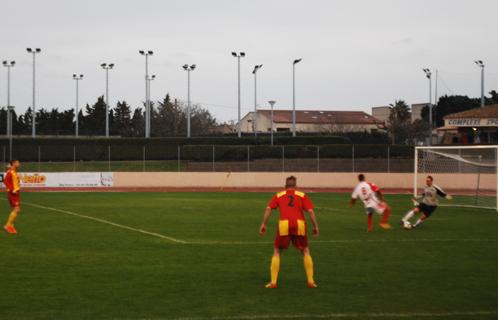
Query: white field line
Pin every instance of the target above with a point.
(367, 315)
(154, 234)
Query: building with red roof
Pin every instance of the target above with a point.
(312, 121)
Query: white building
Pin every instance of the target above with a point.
(382, 113)
(312, 121)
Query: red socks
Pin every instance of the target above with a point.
(386, 215)
(370, 222)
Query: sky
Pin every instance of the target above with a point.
(356, 54)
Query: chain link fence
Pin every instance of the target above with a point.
(214, 158)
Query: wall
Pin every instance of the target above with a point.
(305, 180)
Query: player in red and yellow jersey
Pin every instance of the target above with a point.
(12, 184)
(291, 228)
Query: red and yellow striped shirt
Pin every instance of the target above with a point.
(11, 181)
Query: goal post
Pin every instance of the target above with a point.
(468, 173)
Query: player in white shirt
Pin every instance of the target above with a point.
(373, 200)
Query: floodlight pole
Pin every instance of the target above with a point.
(9, 65)
(77, 78)
(436, 97)
(271, 102)
(149, 79)
(480, 64)
(33, 115)
(147, 102)
(428, 75)
(10, 109)
(188, 103)
(255, 115)
(107, 67)
(296, 61)
(238, 56)
(188, 68)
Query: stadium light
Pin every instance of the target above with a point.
(271, 102)
(296, 61)
(33, 114)
(107, 67)
(10, 110)
(428, 75)
(480, 64)
(149, 79)
(147, 53)
(238, 56)
(255, 115)
(188, 68)
(9, 65)
(77, 78)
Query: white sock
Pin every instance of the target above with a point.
(419, 221)
(408, 216)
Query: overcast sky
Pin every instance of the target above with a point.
(356, 54)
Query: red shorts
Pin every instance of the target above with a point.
(299, 242)
(14, 199)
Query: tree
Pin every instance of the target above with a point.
(419, 130)
(494, 97)
(169, 120)
(122, 121)
(399, 122)
(201, 121)
(447, 105)
(137, 123)
(93, 123)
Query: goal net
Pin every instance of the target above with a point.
(467, 173)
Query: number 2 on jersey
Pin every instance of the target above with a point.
(291, 201)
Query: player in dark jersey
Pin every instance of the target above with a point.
(427, 203)
(291, 228)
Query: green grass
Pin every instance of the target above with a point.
(61, 266)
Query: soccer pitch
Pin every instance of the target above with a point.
(199, 256)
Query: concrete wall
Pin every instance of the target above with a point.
(305, 180)
(382, 113)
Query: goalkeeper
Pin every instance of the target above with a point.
(428, 204)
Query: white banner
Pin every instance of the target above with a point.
(66, 179)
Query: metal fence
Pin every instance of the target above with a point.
(214, 158)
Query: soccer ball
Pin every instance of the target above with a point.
(407, 225)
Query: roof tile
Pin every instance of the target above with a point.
(322, 117)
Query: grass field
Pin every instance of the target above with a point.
(199, 256)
